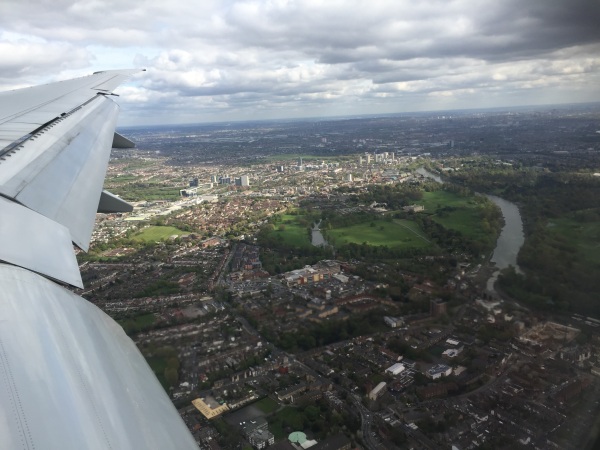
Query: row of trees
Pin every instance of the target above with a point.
(558, 274)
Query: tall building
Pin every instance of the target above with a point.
(245, 180)
(437, 307)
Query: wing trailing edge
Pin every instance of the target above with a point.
(69, 376)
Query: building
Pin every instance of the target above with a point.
(393, 322)
(452, 352)
(245, 180)
(378, 391)
(438, 371)
(291, 392)
(437, 307)
(323, 270)
(258, 424)
(257, 432)
(208, 411)
(396, 369)
(328, 312)
(414, 208)
(261, 439)
(191, 192)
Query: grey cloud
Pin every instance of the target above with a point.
(215, 54)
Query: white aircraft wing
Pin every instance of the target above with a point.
(69, 376)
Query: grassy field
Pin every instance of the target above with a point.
(130, 192)
(140, 322)
(294, 233)
(158, 365)
(463, 215)
(584, 236)
(288, 415)
(156, 233)
(267, 405)
(381, 232)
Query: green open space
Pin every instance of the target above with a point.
(162, 361)
(135, 163)
(267, 405)
(583, 236)
(379, 232)
(287, 417)
(138, 323)
(293, 230)
(158, 364)
(157, 233)
(455, 212)
(153, 191)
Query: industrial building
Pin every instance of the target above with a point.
(396, 369)
(378, 391)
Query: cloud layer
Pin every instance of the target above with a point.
(233, 59)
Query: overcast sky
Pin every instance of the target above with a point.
(219, 60)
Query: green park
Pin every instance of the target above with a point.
(380, 232)
(157, 233)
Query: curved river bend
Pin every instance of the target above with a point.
(511, 237)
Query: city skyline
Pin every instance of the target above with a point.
(246, 60)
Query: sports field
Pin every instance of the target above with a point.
(156, 233)
(399, 233)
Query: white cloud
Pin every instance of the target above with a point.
(234, 59)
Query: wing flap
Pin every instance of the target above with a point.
(24, 242)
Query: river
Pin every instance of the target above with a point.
(427, 174)
(509, 242)
(511, 236)
(317, 237)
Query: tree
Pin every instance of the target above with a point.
(171, 376)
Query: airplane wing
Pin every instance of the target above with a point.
(69, 376)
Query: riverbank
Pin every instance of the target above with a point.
(508, 244)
